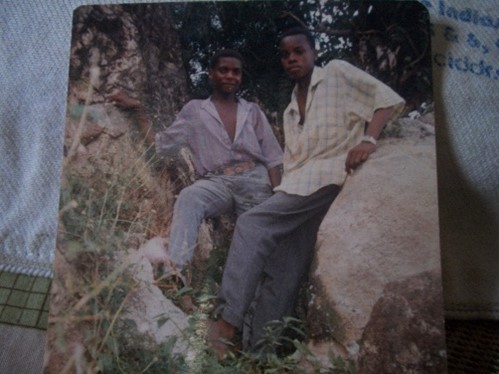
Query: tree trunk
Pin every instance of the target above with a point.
(136, 49)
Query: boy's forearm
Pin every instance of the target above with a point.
(380, 117)
(360, 153)
(145, 125)
(122, 100)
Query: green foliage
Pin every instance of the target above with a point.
(138, 360)
(279, 337)
(389, 40)
(105, 197)
(392, 130)
(102, 207)
(100, 288)
(340, 366)
(251, 28)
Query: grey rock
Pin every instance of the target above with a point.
(382, 228)
(154, 314)
(404, 333)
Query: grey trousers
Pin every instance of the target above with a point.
(209, 197)
(273, 244)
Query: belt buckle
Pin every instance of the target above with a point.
(237, 168)
(228, 170)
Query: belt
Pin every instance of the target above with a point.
(236, 168)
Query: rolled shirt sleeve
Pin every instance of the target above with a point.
(270, 147)
(365, 93)
(341, 99)
(169, 141)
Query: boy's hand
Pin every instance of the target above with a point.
(357, 155)
(122, 100)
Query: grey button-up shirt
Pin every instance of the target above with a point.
(199, 127)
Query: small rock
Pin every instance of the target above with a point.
(154, 314)
(154, 250)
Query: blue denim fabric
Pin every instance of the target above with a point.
(465, 51)
(211, 197)
(35, 42)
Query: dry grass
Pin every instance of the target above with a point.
(113, 198)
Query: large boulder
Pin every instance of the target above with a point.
(408, 313)
(382, 229)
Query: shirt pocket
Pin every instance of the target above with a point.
(317, 136)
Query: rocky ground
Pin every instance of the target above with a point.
(377, 258)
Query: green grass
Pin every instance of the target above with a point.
(112, 203)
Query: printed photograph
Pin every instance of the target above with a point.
(248, 187)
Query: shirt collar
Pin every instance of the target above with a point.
(208, 105)
(318, 75)
(243, 109)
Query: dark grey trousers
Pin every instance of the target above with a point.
(273, 244)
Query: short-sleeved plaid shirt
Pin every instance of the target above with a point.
(340, 101)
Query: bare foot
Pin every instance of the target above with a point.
(220, 335)
(186, 304)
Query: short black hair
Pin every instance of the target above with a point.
(298, 30)
(224, 53)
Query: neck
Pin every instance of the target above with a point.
(304, 83)
(220, 97)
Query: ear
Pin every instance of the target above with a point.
(210, 74)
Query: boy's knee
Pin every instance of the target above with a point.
(188, 197)
(244, 218)
(250, 221)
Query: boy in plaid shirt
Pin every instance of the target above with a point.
(325, 140)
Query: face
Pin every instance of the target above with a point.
(297, 56)
(226, 76)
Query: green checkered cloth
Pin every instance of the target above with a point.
(24, 300)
